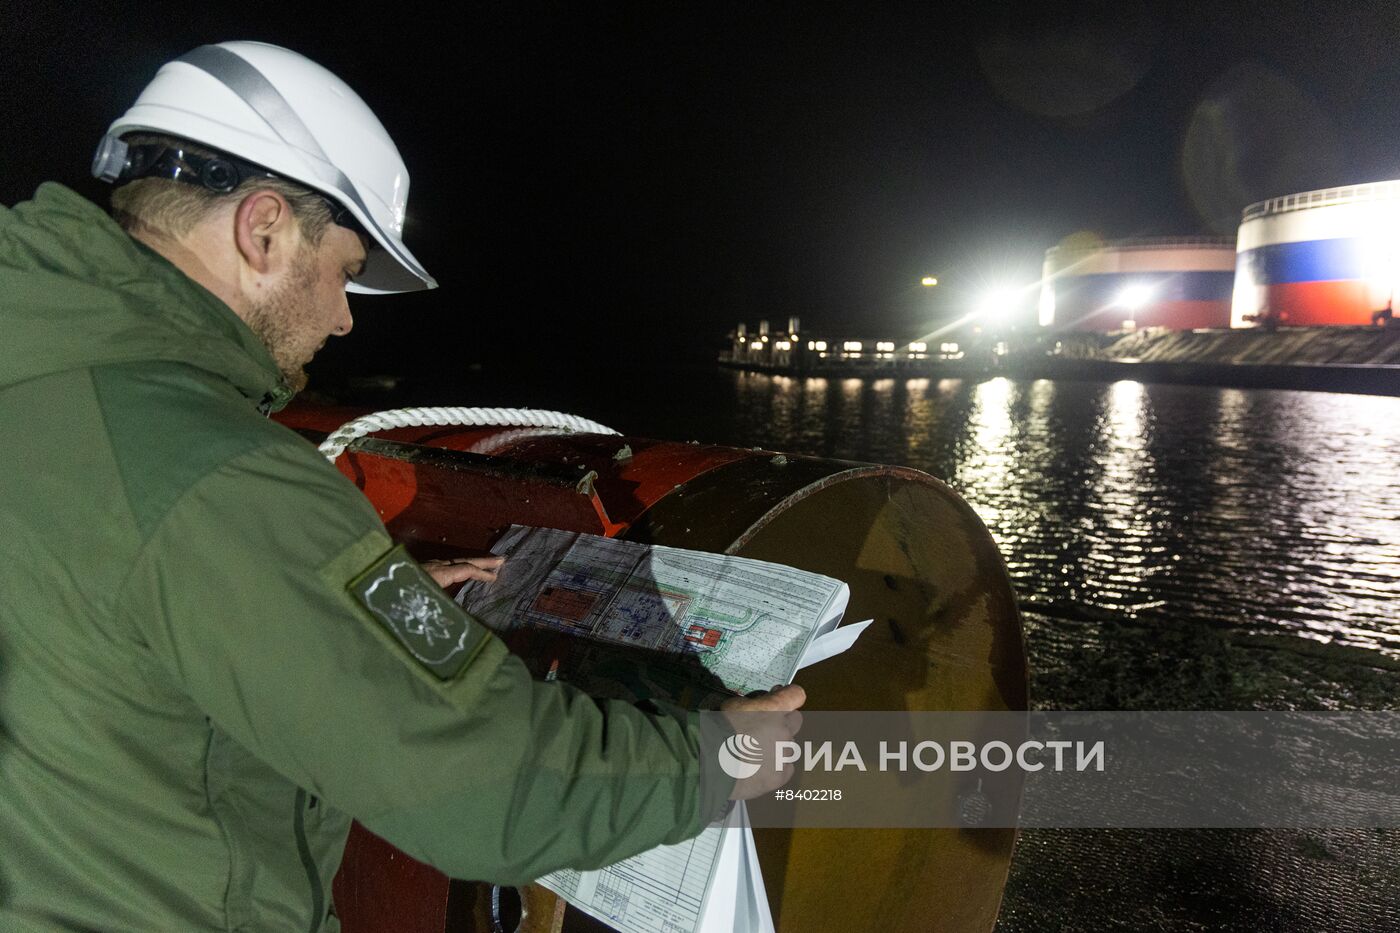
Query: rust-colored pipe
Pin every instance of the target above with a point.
(947, 636)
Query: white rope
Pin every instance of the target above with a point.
(334, 445)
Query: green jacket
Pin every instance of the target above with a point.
(197, 689)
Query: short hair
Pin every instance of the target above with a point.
(174, 208)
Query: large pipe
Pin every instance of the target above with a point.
(917, 559)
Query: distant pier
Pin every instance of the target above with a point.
(1336, 359)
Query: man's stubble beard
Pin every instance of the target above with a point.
(274, 320)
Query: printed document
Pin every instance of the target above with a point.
(637, 622)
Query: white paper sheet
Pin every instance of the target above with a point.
(711, 624)
(749, 624)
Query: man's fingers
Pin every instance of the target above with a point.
(764, 782)
(490, 561)
(480, 563)
(794, 695)
(793, 722)
(781, 700)
(461, 569)
(447, 576)
(771, 718)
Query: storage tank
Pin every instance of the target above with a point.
(1320, 257)
(1176, 282)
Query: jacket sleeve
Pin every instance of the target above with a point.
(251, 593)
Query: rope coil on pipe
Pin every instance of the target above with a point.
(334, 444)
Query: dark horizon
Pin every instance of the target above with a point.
(630, 184)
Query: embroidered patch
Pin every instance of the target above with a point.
(415, 610)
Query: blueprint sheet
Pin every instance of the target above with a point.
(634, 621)
(709, 884)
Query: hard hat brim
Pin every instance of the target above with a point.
(385, 274)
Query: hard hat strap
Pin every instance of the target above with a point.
(220, 173)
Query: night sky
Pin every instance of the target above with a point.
(629, 181)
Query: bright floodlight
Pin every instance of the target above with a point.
(998, 303)
(1134, 297)
(928, 280)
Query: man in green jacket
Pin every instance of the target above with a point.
(197, 693)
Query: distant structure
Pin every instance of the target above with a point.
(793, 351)
(1176, 282)
(1320, 257)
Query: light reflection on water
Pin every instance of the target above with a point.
(1257, 510)
(1172, 547)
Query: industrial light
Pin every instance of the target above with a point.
(885, 346)
(852, 346)
(928, 281)
(1379, 252)
(1134, 297)
(1047, 304)
(782, 345)
(918, 346)
(998, 303)
(1247, 299)
(821, 346)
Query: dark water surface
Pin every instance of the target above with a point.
(1172, 547)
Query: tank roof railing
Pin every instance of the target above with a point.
(1323, 197)
(1147, 242)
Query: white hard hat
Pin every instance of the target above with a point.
(269, 106)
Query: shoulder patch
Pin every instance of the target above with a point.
(405, 600)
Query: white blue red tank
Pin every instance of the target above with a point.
(1177, 282)
(1321, 257)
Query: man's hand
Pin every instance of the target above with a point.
(460, 569)
(770, 718)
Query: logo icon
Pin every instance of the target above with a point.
(740, 756)
(418, 614)
(413, 614)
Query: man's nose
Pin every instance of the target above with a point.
(343, 320)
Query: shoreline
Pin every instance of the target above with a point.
(1344, 378)
(1359, 360)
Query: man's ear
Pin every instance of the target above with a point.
(264, 230)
